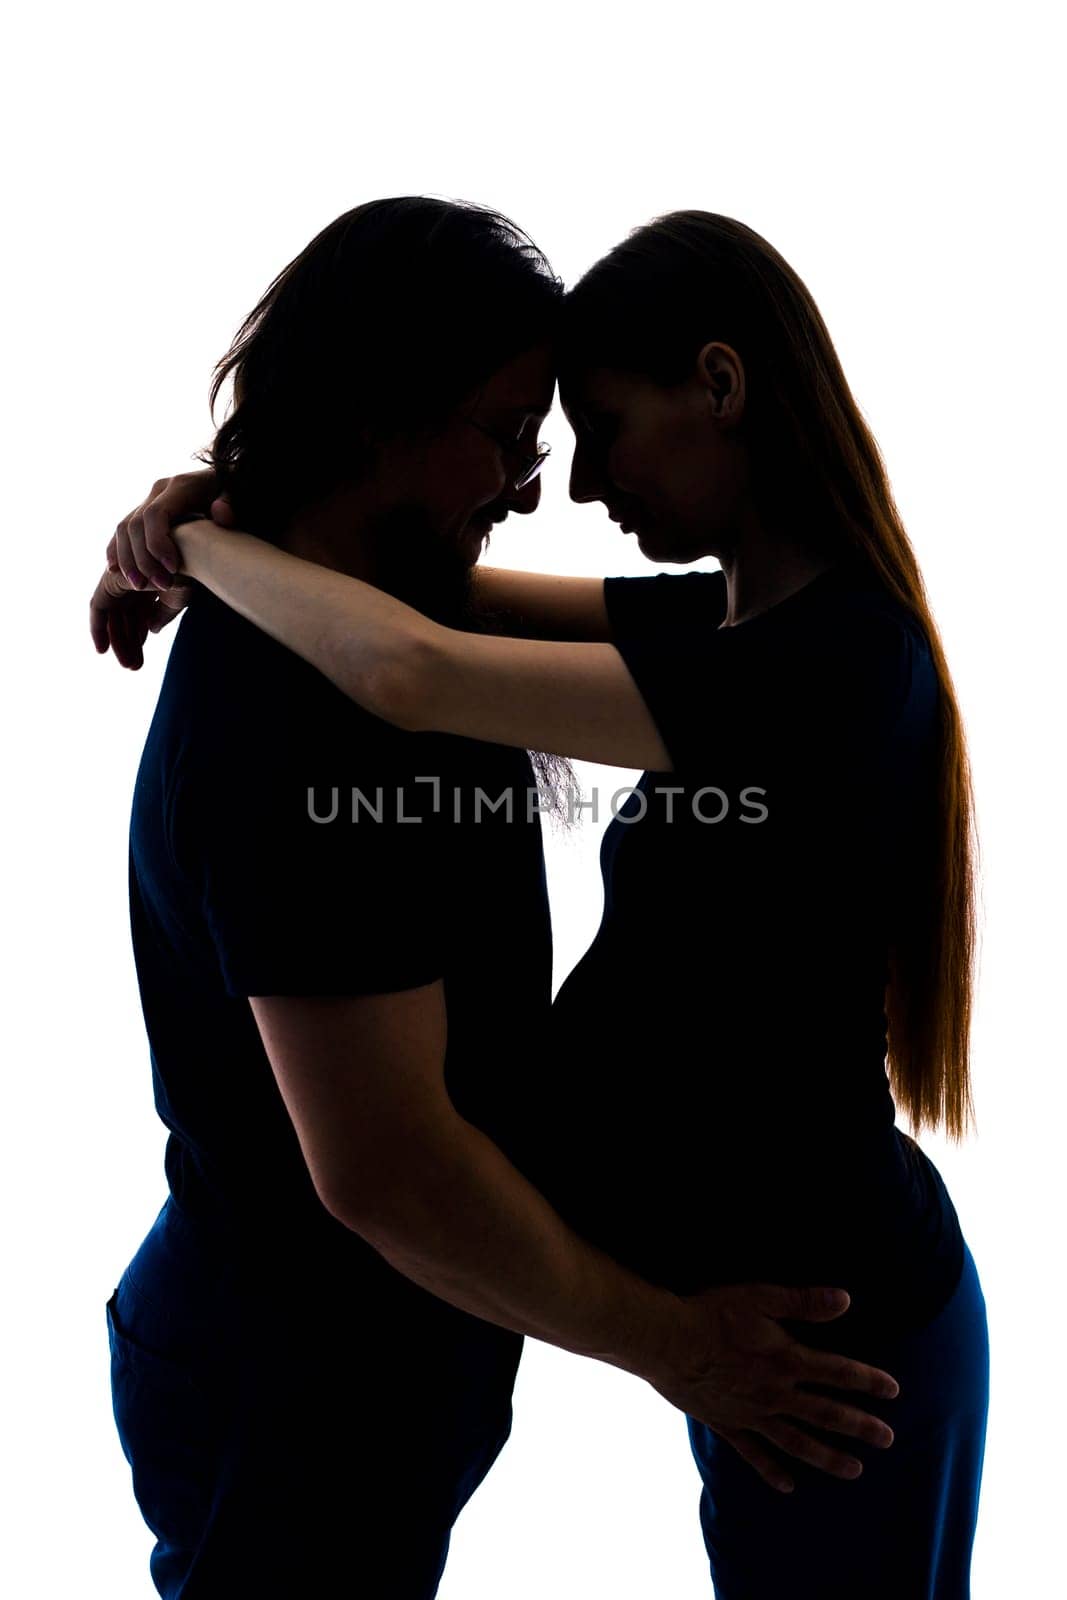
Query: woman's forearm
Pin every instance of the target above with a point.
(359, 636)
(543, 605)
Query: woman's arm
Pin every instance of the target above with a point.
(567, 699)
(544, 605)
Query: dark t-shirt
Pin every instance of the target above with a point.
(715, 1106)
(242, 883)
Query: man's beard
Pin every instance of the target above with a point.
(426, 569)
(429, 571)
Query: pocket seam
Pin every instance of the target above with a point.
(140, 1357)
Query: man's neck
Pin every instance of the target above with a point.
(350, 555)
(395, 549)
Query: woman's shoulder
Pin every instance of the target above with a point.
(664, 601)
(876, 610)
(845, 601)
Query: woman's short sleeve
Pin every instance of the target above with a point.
(822, 677)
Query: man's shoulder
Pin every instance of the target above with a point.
(232, 690)
(234, 699)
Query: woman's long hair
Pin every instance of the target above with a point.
(647, 308)
(393, 316)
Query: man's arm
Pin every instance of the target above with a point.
(363, 1081)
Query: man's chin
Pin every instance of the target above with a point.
(427, 569)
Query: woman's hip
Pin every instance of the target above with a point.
(906, 1525)
(943, 1372)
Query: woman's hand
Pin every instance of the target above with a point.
(121, 617)
(740, 1373)
(141, 545)
(124, 610)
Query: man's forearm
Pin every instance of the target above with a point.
(465, 1224)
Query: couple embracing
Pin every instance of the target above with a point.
(391, 1153)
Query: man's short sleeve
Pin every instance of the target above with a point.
(311, 878)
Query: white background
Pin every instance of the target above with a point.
(163, 163)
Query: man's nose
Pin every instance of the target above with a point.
(525, 500)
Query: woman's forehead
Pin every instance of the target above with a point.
(583, 386)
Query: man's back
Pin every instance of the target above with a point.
(274, 850)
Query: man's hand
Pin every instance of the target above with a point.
(124, 610)
(749, 1380)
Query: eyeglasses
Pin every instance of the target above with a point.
(531, 464)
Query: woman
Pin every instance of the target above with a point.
(722, 1045)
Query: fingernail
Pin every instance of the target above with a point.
(135, 578)
(170, 563)
(160, 583)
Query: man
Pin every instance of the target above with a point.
(345, 968)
